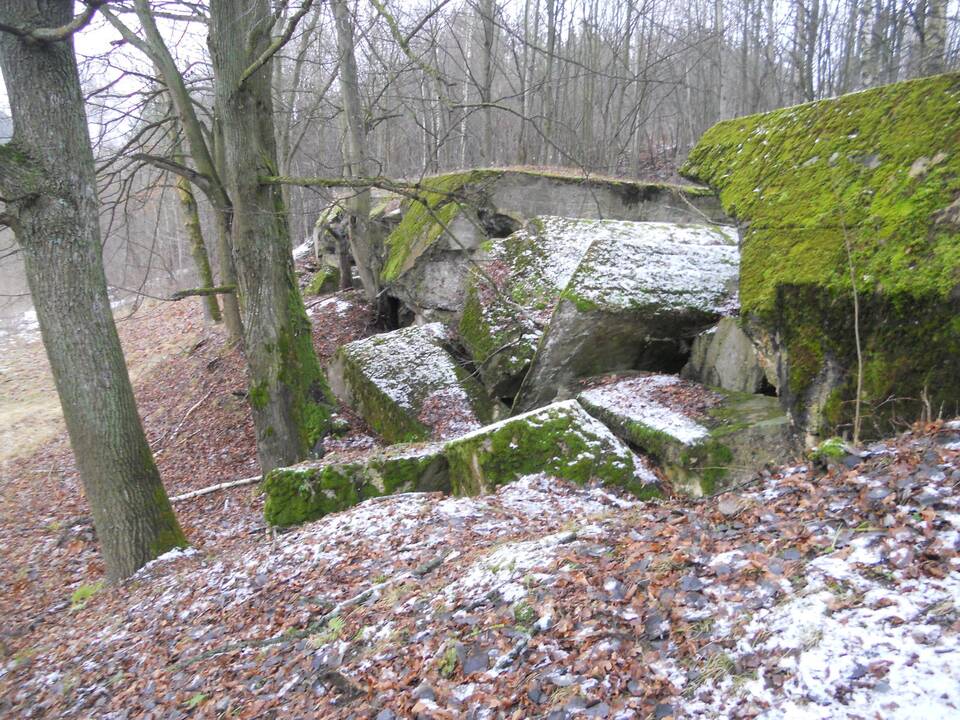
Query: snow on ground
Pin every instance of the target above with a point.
(20, 329)
(303, 249)
(332, 303)
(812, 596)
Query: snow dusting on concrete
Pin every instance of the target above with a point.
(664, 265)
(631, 399)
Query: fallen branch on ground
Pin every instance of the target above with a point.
(172, 435)
(203, 292)
(215, 488)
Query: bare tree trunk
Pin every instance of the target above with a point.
(365, 255)
(288, 394)
(190, 217)
(47, 180)
(526, 78)
(546, 92)
(223, 214)
(867, 46)
(488, 29)
(153, 46)
(935, 38)
(718, 39)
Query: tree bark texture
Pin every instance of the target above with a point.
(190, 216)
(365, 255)
(47, 180)
(288, 392)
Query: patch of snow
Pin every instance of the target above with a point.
(500, 571)
(173, 554)
(334, 303)
(630, 399)
(302, 250)
(659, 265)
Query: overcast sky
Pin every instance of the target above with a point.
(104, 59)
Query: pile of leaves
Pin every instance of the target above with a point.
(816, 593)
(190, 386)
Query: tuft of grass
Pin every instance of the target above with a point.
(524, 615)
(717, 666)
(332, 632)
(196, 700)
(448, 663)
(81, 596)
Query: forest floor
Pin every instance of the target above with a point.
(815, 593)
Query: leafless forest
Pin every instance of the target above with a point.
(620, 89)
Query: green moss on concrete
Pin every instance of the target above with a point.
(446, 196)
(742, 433)
(476, 332)
(498, 341)
(559, 440)
(325, 280)
(309, 491)
(404, 383)
(704, 466)
(296, 495)
(439, 198)
(877, 170)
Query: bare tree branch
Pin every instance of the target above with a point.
(277, 42)
(198, 179)
(59, 34)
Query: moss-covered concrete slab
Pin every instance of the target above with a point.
(560, 440)
(640, 294)
(408, 387)
(704, 439)
(427, 256)
(325, 280)
(512, 299)
(724, 356)
(311, 490)
(859, 189)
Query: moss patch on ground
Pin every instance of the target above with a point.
(877, 172)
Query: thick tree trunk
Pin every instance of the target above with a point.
(47, 178)
(288, 393)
